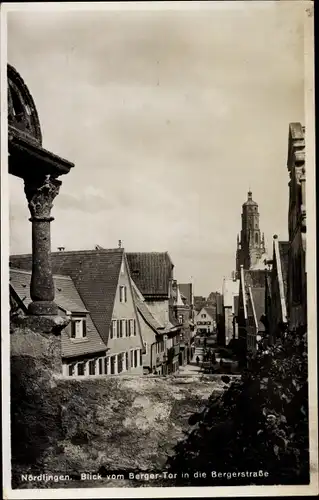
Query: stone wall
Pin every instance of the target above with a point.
(87, 424)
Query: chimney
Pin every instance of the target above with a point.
(61, 249)
(120, 243)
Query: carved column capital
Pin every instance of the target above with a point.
(40, 193)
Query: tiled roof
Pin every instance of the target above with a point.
(144, 310)
(68, 299)
(95, 274)
(151, 271)
(219, 304)
(254, 278)
(186, 290)
(283, 252)
(211, 311)
(236, 304)
(258, 296)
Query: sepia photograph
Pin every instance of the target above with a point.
(158, 264)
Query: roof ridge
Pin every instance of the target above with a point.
(100, 250)
(23, 271)
(87, 251)
(151, 252)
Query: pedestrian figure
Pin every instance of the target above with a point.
(197, 360)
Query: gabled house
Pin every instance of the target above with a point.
(276, 290)
(230, 291)
(199, 303)
(251, 311)
(297, 229)
(81, 344)
(152, 272)
(154, 337)
(183, 315)
(102, 280)
(205, 320)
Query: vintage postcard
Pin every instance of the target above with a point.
(159, 329)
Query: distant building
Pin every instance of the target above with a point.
(297, 273)
(154, 337)
(251, 310)
(152, 272)
(185, 316)
(230, 291)
(251, 251)
(205, 321)
(104, 336)
(276, 290)
(199, 302)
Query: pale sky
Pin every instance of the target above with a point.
(169, 116)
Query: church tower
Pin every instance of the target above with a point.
(251, 243)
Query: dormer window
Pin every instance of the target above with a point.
(78, 328)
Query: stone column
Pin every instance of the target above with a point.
(40, 193)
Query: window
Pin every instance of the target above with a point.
(123, 321)
(141, 357)
(132, 359)
(123, 294)
(126, 361)
(134, 327)
(78, 328)
(107, 365)
(80, 368)
(118, 327)
(256, 238)
(71, 370)
(146, 347)
(92, 367)
(203, 315)
(180, 319)
(113, 329)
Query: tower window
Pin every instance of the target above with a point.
(256, 238)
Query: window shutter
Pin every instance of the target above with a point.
(84, 327)
(135, 358)
(128, 328)
(126, 360)
(73, 329)
(124, 327)
(141, 357)
(132, 359)
(125, 294)
(101, 366)
(119, 363)
(118, 328)
(134, 327)
(111, 330)
(121, 328)
(107, 365)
